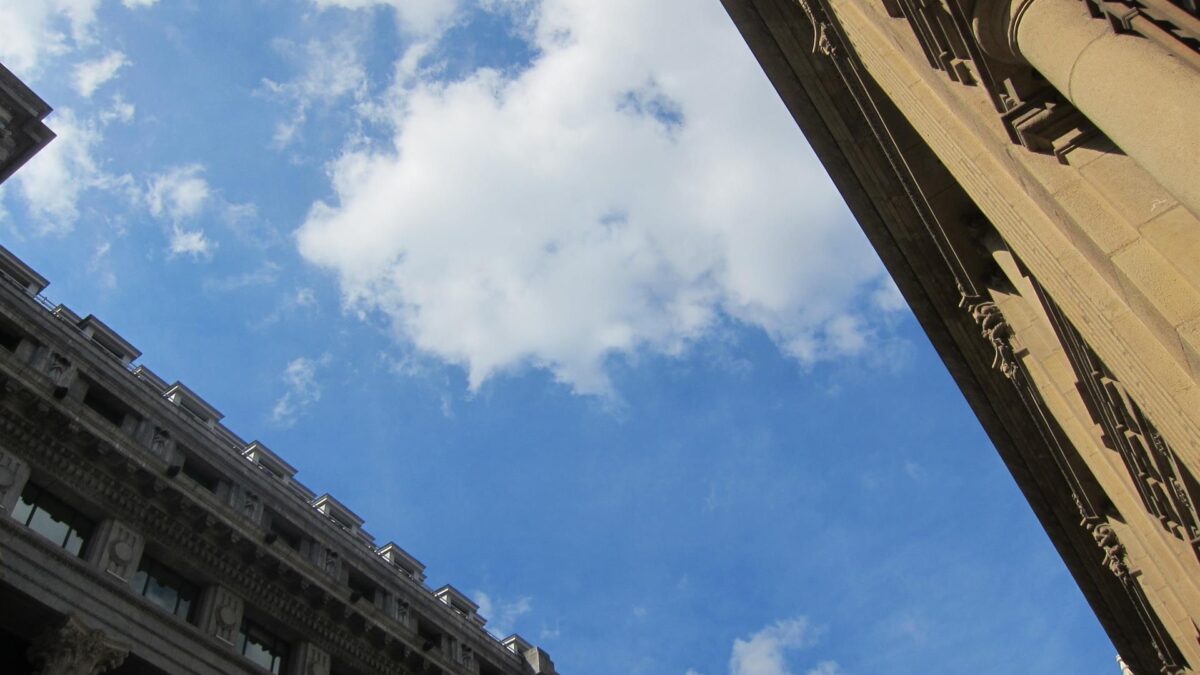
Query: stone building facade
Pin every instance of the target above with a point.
(1029, 173)
(22, 131)
(139, 535)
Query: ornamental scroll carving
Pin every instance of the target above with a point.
(120, 550)
(13, 474)
(58, 367)
(247, 503)
(223, 614)
(995, 330)
(72, 648)
(160, 442)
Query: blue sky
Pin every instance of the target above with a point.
(555, 296)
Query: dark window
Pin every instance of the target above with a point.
(362, 586)
(108, 406)
(47, 515)
(287, 533)
(202, 475)
(10, 336)
(262, 648)
(164, 588)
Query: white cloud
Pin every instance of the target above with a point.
(764, 653)
(53, 181)
(414, 16)
(264, 275)
(502, 616)
(31, 31)
(621, 194)
(120, 111)
(303, 390)
(178, 194)
(138, 3)
(331, 70)
(100, 265)
(190, 242)
(90, 75)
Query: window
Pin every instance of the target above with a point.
(284, 530)
(45, 514)
(164, 588)
(200, 474)
(10, 336)
(106, 404)
(262, 648)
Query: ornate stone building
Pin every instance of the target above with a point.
(1029, 172)
(139, 535)
(22, 132)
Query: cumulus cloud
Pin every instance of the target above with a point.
(180, 193)
(54, 179)
(91, 75)
(194, 243)
(502, 616)
(625, 192)
(303, 390)
(765, 652)
(138, 3)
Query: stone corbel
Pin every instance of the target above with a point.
(221, 614)
(14, 472)
(117, 549)
(71, 648)
(310, 660)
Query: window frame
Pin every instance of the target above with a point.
(185, 590)
(78, 525)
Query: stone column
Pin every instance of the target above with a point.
(1136, 92)
(72, 648)
(309, 659)
(116, 549)
(13, 474)
(221, 614)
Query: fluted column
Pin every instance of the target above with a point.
(1137, 93)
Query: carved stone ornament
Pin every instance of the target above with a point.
(58, 368)
(224, 615)
(71, 648)
(120, 550)
(13, 474)
(995, 329)
(160, 443)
